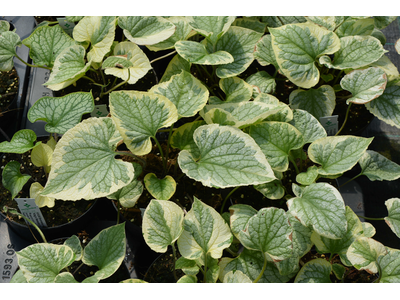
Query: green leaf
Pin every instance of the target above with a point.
(106, 251)
(69, 66)
(236, 277)
(393, 218)
(355, 27)
(176, 66)
(205, 233)
(46, 43)
(18, 277)
(75, 244)
(355, 52)
(228, 157)
(161, 189)
(185, 91)
(8, 42)
(335, 246)
(264, 82)
(240, 216)
(319, 102)
(310, 128)
(363, 254)
(35, 192)
(41, 263)
(268, 231)
(41, 155)
(182, 32)
(187, 279)
(129, 194)
(212, 27)
(390, 266)
(65, 277)
(337, 154)
(100, 32)
(277, 21)
(4, 26)
(339, 271)
(316, 271)
(377, 167)
(301, 237)
(146, 30)
(188, 266)
(298, 46)
(272, 190)
(12, 179)
(328, 22)
(182, 138)
(22, 141)
(387, 107)
(276, 140)
(131, 58)
(264, 53)
(85, 167)
(308, 177)
(364, 85)
(139, 115)
(250, 23)
(240, 43)
(236, 89)
(322, 207)
(197, 53)
(61, 113)
(386, 65)
(133, 280)
(162, 224)
(383, 21)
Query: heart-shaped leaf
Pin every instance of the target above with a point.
(328, 22)
(4, 26)
(69, 66)
(377, 167)
(139, 115)
(308, 177)
(188, 266)
(363, 254)
(9, 40)
(310, 128)
(272, 190)
(61, 113)
(355, 27)
(262, 82)
(85, 167)
(250, 23)
(182, 32)
(337, 154)
(240, 43)
(298, 46)
(264, 53)
(386, 65)
(161, 189)
(75, 244)
(46, 43)
(276, 140)
(355, 52)
(41, 156)
(146, 30)
(185, 91)
(321, 206)
(319, 102)
(236, 89)
(197, 53)
(212, 27)
(236, 277)
(228, 157)
(100, 32)
(383, 21)
(35, 191)
(393, 218)
(301, 237)
(12, 179)
(390, 266)
(317, 271)
(205, 233)
(162, 224)
(387, 107)
(106, 251)
(335, 246)
(129, 194)
(22, 141)
(240, 215)
(268, 231)
(176, 66)
(277, 21)
(131, 58)
(364, 85)
(41, 263)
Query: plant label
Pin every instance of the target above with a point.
(100, 111)
(330, 124)
(67, 26)
(29, 209)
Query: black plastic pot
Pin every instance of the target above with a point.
(12, 120)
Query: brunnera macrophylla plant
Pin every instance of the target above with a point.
(235, 133)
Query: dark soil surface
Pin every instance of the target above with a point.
(9, 83)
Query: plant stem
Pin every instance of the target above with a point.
(118, 213)
(162, 154)
(226, 198)
(337, 77)
(115, 87)
(164, 56)
(371, 219)
(171, 129)
(90, 79)
(13, 211)
(350, 180)
(294, 164)
(76, 270)
(263, 269)
(345, 119)
(32, 66)
(132, 155)
(205, 268)
(174, 254)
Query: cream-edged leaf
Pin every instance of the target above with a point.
(377, 167)
(212, 27)
(390, 266)
(310, 128)
(9, 40)
(316, 271)
(393, 218)
(161, 189)
(41, 201)
(197, 53)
